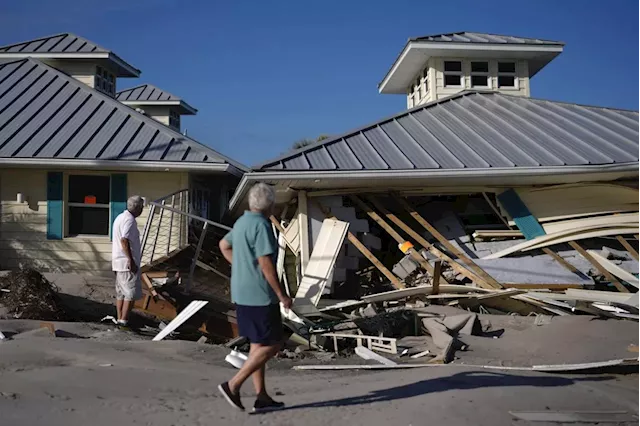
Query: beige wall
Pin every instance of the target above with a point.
(437, 89)
(23, 226)
(81, 71)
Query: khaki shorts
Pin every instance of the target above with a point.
(128, 286)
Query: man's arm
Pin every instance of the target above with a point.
(226, 249)
(269, 271)
(126, 247)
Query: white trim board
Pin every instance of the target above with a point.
(186, 313)
(614, 269)
(321, 264)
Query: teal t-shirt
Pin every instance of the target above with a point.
(251, 238)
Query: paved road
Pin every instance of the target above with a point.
(86, 382)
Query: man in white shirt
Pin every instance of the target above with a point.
(126, 254)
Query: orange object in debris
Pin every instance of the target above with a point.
(405, 247)
(89, 199)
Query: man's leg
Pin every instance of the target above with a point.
(127, 306)
(119, 303)
(258, 357)
(259, 382)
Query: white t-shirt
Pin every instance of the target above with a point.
(125, 226)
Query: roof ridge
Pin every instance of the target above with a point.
(179, 137)
(64, 34)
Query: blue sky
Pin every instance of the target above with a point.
(264, 74)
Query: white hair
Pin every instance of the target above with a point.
(134, 203)
(261, 197)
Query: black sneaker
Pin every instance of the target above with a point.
(265, 404)
(233, 400)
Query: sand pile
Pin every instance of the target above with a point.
(30, 296)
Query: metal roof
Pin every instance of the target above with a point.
(471, 37)
(47, 115)
(149, 94)
(477, 130)
(66, 45)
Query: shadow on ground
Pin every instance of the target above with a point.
(459, 381)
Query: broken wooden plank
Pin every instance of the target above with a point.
(498, 233)
(413, 234)
(404, 245)
(368, 354)
(453, 249)
(561, 261)
(281, 231)
(367, 253)
(145, 279)
(613, 280)
(614, 269)
(627, 246)
(581, 417)
(423, 289)
(434, 250)
(536, 286)
(186, 313)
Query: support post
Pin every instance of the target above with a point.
(192, 269)
(303, 223)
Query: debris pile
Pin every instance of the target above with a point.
(27, 294)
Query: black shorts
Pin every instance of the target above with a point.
(260, 324)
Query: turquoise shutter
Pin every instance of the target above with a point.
(54, 206)
(525, 221)
(118, 196)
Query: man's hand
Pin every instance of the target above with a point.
(286, 301)
(133, 267)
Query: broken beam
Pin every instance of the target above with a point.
(561, 261)
(613, 280)
(392, 232)
(453, 249)
(395, 219)
(627, 246)
(365, 251)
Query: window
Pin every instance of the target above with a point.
(105, 81)
(88, 206)
(425, 80)
(419, 91)
(480, 74)
(174, 119)
(507, 75)
(452, 73)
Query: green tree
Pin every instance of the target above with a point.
(304, 142)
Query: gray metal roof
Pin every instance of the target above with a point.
(62, 46)
(471, 37)
(150, 94)
(45, 114)
(58, 43)
(477, 130)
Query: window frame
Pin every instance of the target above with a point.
(514, 74)
(105, 81)
(459, 74)
(486, 74)
(68, 204)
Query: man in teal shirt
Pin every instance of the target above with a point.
(251, 249)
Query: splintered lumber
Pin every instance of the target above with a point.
(499, 233)
(424, 289)
(614, 269)
(186, 313)
(366, 252)
(486, 278)
(433, 249)
(395, 235)
(417, 237)
(282, 232)
(613, 280)
(627, 246)
(368, 354)
(382, 344)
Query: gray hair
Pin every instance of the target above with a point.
(134, 203)
(261, 197)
